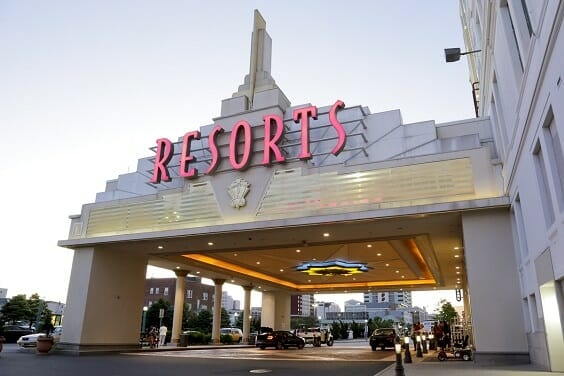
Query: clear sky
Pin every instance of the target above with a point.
(86, 87)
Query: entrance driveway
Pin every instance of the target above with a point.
(345, 358)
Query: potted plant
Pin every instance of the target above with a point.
(45, 342)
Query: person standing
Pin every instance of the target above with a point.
(162, 334)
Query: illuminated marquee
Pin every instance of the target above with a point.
(332, 268)
(273, 132)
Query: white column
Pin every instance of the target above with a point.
(104, 301)
(217, 310)
(493, 287)
(178, 305)
(247, 314)
(276, 310)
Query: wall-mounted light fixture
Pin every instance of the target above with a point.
(453, 54)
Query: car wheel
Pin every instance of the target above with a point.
(466, 357)
(300, 345)
(330, 342)
(442, 357)
(279, 345)
(263, 347)
(373, 348)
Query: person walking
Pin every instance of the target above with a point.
(162, 334)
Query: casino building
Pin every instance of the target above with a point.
(314, 198)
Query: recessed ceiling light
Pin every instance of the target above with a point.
(403, 276)
(178, 267)
(354, 279)
(260, 287)
(397, 271)
(434, 288)
(456, 248)
(326, 234)
(258, 262)
(235, 254)
(369, 245)
(197, 272)
(456, 256)
(281, 270)
(210, 243)
(298, 250)
(458, 267)
(314, 259)
(387, 264)
(457, 272)
(160, 247)
(232, 281)
(378, 254)
(309, 280)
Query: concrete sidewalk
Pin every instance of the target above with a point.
(430, 366)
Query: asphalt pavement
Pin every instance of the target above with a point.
(244, 360)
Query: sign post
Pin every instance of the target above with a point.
(161, 315)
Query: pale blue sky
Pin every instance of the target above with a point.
(86, 87)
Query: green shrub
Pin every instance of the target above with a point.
(226, 339)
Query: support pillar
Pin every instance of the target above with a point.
(493, 288)
(247, 314)
(178, 306)
(104, 302)
(276, 310)
(216, 338)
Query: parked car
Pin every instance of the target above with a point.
(30, 340)
(13, 332)
(280, 339)
(382, 338)
(315, 336)
(235, 333)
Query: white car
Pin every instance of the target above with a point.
(30, 340)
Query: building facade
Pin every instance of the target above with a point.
(519, 71)
(197, 296)
(299, 199)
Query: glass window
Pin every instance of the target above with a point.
(556, 157)
(542, 180)
(157, 290)
(151, 291)
(166, 290)
(205, 296)
(189, 294)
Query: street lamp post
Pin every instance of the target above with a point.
(399, 365)
(144, 317)
(419, 353)
(432, 342)
(407, 358)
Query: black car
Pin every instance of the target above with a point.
(382, 338)
(280, 339)
(13, 332)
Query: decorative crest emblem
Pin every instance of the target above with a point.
(238, 190)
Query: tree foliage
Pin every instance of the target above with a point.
(446, 311)
(16, 309)
(204, 321)
(225, 320)
(153, 318)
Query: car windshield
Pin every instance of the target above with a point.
(383, 331)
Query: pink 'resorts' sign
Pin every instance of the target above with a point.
(240, 152)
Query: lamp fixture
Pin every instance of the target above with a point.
(453, 54)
